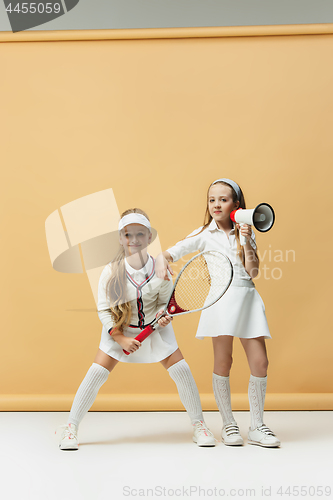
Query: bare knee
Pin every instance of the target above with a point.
(174, 358)
(222, 366)
(259, 367)
(105, 360)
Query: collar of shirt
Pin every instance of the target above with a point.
(146, 269)
(213, 227)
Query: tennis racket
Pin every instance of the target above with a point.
(200, 283)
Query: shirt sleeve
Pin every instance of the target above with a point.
(103, 305)
(192, 243)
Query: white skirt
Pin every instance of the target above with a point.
(158, 346)
(239, 313)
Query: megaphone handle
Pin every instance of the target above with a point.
(242, 238)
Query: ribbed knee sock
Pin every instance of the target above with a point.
(221, 388)
(87, 392)
(257, 392)
(181, 374)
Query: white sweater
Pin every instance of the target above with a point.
(146, 293)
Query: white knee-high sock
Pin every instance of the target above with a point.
(221, 388)
(257, 392)
(87, 392)
(181, 374)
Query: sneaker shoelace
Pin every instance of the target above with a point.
(67, 432)
(232, 429)
(266, 430)
(200, 426)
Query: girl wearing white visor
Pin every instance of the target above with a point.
(130, 295)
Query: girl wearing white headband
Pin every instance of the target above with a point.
(240, 313)
(130, 295)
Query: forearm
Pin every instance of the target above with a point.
(192, 243)
(251, 260)
(127, 343)
(117, 336)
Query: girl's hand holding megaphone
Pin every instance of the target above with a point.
(245, 230)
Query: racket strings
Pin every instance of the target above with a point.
(203, 281)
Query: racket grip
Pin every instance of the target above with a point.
(143, 335)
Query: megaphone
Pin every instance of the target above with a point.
(262, 218)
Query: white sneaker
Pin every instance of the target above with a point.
(68, 437)
(263, 436)
(202, 435)
(231, 435)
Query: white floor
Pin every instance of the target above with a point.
(151, 455)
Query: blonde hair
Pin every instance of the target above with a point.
(121, 310)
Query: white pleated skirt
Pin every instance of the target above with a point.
(158, 346)
(239, 313)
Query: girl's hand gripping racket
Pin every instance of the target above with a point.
(200, 283)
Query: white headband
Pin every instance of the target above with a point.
(134, 219)
(233, 184)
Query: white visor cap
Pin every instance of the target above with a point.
(134, 219)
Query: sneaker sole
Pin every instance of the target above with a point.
(232, 444)
(264, 445)
(206, 445)
(68, 449)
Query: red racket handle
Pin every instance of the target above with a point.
(142, 335)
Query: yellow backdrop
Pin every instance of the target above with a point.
(157, 120)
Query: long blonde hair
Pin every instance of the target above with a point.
(121, 310)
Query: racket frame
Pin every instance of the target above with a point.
(181, 272)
